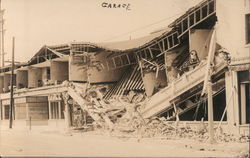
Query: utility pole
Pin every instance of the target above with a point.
(12, 82)
(2, 34)
(1, 65)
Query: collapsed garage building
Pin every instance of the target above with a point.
(69, 84)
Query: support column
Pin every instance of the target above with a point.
(66, 110)
(59, 71)
(243, 103)
(75, 71)
(34, 77)
(232, 100)
(59, 109)
(22, 79)
(49, 110)
(67, 115)
(3, 111)
(210, 111)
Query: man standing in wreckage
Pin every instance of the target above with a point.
(132, 102)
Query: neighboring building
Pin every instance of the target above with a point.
(167, 66)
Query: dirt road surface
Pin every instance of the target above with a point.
(95, 144)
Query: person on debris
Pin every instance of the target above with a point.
(193, 60)
(131, 106)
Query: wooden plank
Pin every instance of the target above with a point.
(146, 54)
(182, 30)
(194, 18)
(107, 65)
(173, 40)
(137, 79)
(163, 45)
(113, 60)
(200, 13)
(155, 49)
(168, 43)
(207, 8)
(159, 46)
(178, 38)
(167, 46)
(121, 61)
(151, 53)
(128, 59)
(133, 77)
(113, 89)
(214, 5)
(200, 21)
(46, 53)
(139, 83)
(130, 78)
(120, 87)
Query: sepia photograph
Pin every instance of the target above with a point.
(125, 78)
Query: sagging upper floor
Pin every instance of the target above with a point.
(163, 55)
(55, 64)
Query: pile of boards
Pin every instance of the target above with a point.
(125, 117)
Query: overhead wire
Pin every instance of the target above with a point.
(143, 27)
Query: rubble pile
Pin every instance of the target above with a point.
(136, 126)
(121, 116)
(161, 128)
(225, 137)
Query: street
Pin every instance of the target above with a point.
(96, 144)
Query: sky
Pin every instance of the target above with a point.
(35, 23)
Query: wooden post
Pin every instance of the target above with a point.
(207, 85)
(176, 112)
(210, 111)
(12, 82)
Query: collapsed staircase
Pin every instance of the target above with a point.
(75, 92)
(162, 100)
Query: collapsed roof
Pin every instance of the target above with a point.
(152, 45)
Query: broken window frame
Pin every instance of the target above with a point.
(243, 78)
